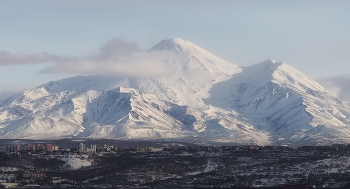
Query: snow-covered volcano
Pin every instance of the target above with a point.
(205, 100)
(299, 109)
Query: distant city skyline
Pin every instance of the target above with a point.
(311, 36)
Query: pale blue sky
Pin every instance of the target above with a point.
(311, 36)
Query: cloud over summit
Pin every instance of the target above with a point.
(116, 58)
(120, 59)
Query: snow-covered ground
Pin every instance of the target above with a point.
(75, 161)
(8, 169)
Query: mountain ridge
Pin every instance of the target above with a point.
(206, 100)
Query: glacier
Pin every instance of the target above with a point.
(206, 100)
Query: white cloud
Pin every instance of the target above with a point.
(118, 58)
(337, 85)
(7, 58)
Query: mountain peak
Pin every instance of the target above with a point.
(178, 40)
(176, 44)
(283, 74)
(268, 66)
(197, 57)
(268, 61)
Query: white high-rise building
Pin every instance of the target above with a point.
(81, 147)
(93, 147)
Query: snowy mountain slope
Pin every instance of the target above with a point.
(130, 108)
(92, 113)
(205, 100)
(299, 109)
(122, 113)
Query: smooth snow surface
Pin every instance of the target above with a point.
(206, 100)
(76, 161)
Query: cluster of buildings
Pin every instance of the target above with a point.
(82, 147)
(31, 147)
(148, 149)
